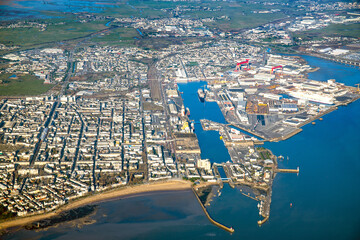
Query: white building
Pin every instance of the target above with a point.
(204, 164)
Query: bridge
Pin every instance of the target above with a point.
(225, 179)
(340, 60)
(345, 61)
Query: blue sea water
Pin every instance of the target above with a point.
(325, 197)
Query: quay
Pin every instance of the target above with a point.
(247, 195)
(288, 170)
(230, 230)
(282, 138)
(244, 143)
(261, 222)
(331, 109)
(247, 130)
(352, 100)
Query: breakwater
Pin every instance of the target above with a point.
(230, 230)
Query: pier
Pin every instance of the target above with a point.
(247, 130)
(230, 230)
(288, 170)
(282, 138)
(261, 222)
(248, 195)
(244, 143)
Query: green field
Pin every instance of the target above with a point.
(56, 31)
(67, 26)
(348, 30)
(238, 22)
(344, 30)
(92, 77)
(23, 84)
(240, 12)
(118, 36)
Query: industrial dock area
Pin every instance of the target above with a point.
(262, 98)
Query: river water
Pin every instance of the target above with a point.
(325, 197)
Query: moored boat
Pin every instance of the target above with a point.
(201, 95)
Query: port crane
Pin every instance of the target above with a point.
(238, 65)
(255, 125)
(358, 84)
(276, 67)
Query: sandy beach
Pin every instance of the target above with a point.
(125, 191)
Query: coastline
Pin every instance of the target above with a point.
(172, 185)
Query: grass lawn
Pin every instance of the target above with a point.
(92, 77)
(23, 84)
(345, 30)
(118, 36)
(240, 12)
(26, 37)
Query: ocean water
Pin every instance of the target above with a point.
(325, 197)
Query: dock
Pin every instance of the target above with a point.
(282, 138)
(261, 222)
(230, 230)
(244, 143)
(248, 130)
(247, 195)
(288, 170)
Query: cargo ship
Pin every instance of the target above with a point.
(201, 95)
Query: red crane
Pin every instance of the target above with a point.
(238, 65)
(273, 68)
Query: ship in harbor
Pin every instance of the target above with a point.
(313, 97)
(201, 94)
(187, 112)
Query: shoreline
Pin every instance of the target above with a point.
(172, 185)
